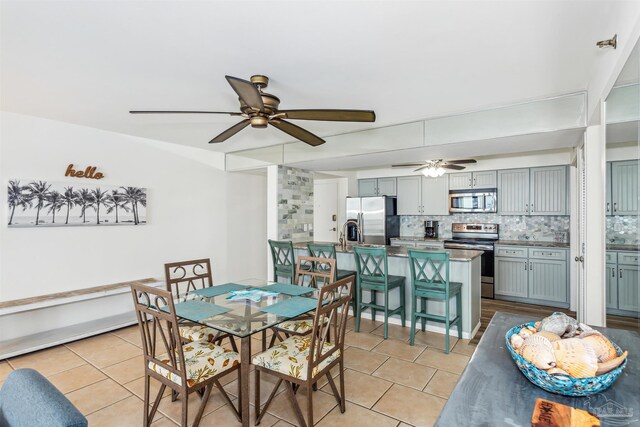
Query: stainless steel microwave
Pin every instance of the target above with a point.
(473, 201)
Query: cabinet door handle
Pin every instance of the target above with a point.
(531, 207)
(620, 273)
(608, 206)
(470, 185)
(526, 207)
(615, 207)
(474, 182)
(531, 266)
(613, 272)
(525, 266)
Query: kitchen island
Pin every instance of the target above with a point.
(464, 268)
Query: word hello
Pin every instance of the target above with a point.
(89, 172)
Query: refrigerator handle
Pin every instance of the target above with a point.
(361, 224)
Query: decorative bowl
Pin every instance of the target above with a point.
(561, 384)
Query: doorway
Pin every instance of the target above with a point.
(325, 211)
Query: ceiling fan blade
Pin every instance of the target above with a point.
(407, 165)
(460, 162)
(422, 167)
(230, 132)
(455, 167)
(247, 92)
(183, 112)
(330, 115)
(297, 132)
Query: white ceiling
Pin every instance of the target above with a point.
(90, 62)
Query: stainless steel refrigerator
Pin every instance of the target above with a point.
(376, 217)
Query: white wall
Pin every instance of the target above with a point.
(194, 210)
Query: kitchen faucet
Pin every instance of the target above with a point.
(343, 239)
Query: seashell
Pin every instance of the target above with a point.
(560, 324)
(588, 332)
(524, 332)
(602, 347)
(539, 351)
(548, 335)
(516, 341)
(605, 367)
(558, 372)
(583, 327)
(537, 325)
(575, 357)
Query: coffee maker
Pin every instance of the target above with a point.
(431, 229)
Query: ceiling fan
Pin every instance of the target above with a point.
(260, 109)
(434, 168)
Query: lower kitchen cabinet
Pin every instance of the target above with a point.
(533, 275)
(623, 283)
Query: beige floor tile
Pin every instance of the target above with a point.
(102, 358)
(224, 417)
(76, 378)
(48, 362)
(5, 370)
(411, 406)
(452, 362)
(173, 410)
(267, 382)
(282, 408)
(92, 344)
(97, 396)
(442, 384)
(137, 387)
(283, 423)
(131, 334)
(406, 373)
(356, 416)
(162, 422)
(126, 371)
(125, 413)
(360, 388)
(463, 347)
(404, 425)
(366, 325)
(399, 350)
(362, 340)
(396, 332)
(433, 339)
(363, 361)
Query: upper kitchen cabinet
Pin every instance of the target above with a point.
(472, 180)
(548, 193)
(624, 188)
(419, 195)
(535, 191)
(513, 192)
(377, 187)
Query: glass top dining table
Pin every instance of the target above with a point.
(245, 317)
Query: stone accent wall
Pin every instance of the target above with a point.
(512, 227)
(623, 229)
(295, 204)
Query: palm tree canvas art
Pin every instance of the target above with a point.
(51, 204)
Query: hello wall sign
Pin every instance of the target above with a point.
(89, 172)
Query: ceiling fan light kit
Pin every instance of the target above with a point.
(436, 168)
(260, 109)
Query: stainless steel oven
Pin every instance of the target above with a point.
(479, 237)
(473, 201)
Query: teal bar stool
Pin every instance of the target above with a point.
(430, 280)
(327, 250)
(284, 264)
(372, 272)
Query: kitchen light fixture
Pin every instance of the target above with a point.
(436, 168)
(433, 171)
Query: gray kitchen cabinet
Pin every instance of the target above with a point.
(511, 277)
(628, 284)
(513, 192)
(473, 180)
(377, 187)
(418, 195)
(435, 196)
(548, 280)
(409, 195)
(611, 276)
(607, 190)
(535, 275)
(624, 187)
(548, 191)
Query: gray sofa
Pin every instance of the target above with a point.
(28, 399)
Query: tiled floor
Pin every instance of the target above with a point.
(388, 382)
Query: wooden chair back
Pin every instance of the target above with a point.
(330, 321)
(315, 272)
(158, 323)
(184, 276)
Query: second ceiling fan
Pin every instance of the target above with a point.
(260, 109)
(435, 168)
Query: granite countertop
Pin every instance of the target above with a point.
(401, 252)
(419, 239)
(538, 243)
(623, 247)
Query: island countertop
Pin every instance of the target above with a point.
(397, 251)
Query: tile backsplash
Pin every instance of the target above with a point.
(512, 227)
(622, 229)
(295, 204)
